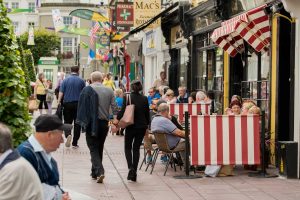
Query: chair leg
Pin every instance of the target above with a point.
(144, 160)
(154, 161)
(168, 164)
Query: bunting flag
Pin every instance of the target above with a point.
(89, 15)
(84, 45)
(91, 56)
(93, 32)
(30, 40)
(57, 20)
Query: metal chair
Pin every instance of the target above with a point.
(162, 143)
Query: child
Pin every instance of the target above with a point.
(49, 96)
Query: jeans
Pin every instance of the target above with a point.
(70, 114)
(133, 141)
(96, 145)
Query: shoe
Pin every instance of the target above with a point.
(75, 146)
(131, 174)
(164, 159)
(149, 159)
(94, 177)
(100, 178)
(68, 142)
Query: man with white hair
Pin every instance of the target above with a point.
(200, 97)
(183, 97)
(96, 97)
(18, 179)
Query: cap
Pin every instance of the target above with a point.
(45, 123)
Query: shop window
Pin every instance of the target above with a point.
(14, 5)
(238, 6)
(184, 58)
(207, 19)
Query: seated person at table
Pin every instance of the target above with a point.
(162, 123)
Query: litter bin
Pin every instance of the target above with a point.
(288, 158)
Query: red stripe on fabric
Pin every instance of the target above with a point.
(207, 151)
(256, 140)
(194, 140)
(233, 52)
(172, 109)
(256, 10)
(244, 139)
(219, 140)
(207, 109)
(180, 115)
(190, 108)
(231, 120)
(199, 109)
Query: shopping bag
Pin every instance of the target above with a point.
(33, 104)
(128, 117)
(212, 170)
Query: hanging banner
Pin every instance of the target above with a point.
(71, 30)
(89, 15)
(30, 40)
(19, 10)
(124, 16)
(102, 48)
(57, 20)
(146, 10)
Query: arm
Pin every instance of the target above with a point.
(179, 133)
(61, 92)
(147, 111)
(60, 95)
(35, 89)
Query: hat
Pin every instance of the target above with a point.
(45, 123)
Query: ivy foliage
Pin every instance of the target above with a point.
(30, 65)
(45, 42)
(24, 68)
(13, 95)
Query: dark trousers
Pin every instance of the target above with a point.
(96, 145)
(42, 98)
(133, 141)
(70, 114)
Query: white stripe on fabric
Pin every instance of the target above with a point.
(250, 138)
(225, 126)
(238, 140)
(176, 109)
(185, 108)
(201, 145)
(213, 140)
(194, 109)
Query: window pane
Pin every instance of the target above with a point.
(14, 5)
(67, 20)
(31, 5)
(201, 71)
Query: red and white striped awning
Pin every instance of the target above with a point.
(252, 26)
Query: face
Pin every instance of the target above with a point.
(170, 96)
(55, 138)
(163, 76)
(181, 92)
(151, 92)
(236, 109)
(154, 104)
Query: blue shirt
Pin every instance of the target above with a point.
(164, 125)
(119, 101)
(150, 98)
(71, 88)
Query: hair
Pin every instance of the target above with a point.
(40, 75)
(5, 138)
(96, 76)
(136, 86)
(200, 96)
(210, 94)
(75, 69)
(50, 84)
(182, 87)
(235, 102)
(170, 92)
(160, 102)
(118, 92)
(163, 107)
(254, 110)
(162, 72)
(238, 98)
(193, 96)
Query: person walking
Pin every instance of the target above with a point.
(135, 133)
(40, 90)
(70, 91)
(18, 179)
(93, 114)
(49, 96)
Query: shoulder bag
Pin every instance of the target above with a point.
(128, 116)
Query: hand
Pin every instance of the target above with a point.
(115, 122)
(66, 196)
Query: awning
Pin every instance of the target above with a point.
(146, 24)
(252, 26)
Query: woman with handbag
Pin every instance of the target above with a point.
(135, 132)
(40, 92)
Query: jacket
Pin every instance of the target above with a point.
(87, 110)
(141, 110)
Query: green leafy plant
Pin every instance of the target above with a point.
(30, 65)
(24, 68)
(45, 42)
(13, 95)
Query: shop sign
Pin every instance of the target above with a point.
(150, 41)
(177, 38)
(124, 16)
(146, 10)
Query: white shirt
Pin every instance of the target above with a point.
(37, 147)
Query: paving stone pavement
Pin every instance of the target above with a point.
(74, 166)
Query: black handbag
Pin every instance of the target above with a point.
(59, 111)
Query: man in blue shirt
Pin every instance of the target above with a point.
(153, 94)
(70, 90)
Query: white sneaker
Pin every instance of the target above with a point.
(68, 142)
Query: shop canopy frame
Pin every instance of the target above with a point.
(146, 24)
(252, 26)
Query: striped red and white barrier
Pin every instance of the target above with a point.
(225, 139)
(191, 108)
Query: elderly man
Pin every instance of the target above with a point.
(153, 94)
(183, 97)
(162, 81)
(162, 123)
(18, 180)
(47, 138)
(93, 113)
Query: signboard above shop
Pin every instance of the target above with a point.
(146, 10)
(124, 16)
